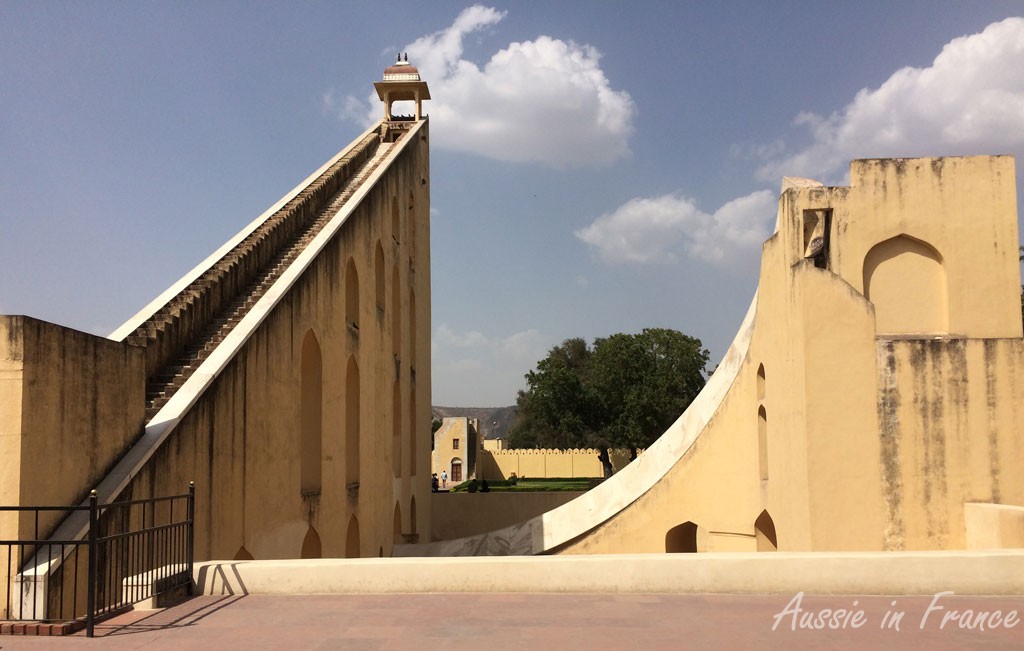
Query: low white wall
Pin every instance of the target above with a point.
(888, 573)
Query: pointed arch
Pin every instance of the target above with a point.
(352, 422)
(396, 430)
(905, 279)
(311, 415)
(681, 539)
(311, 544)
(411, 221)
(396, 527)
(762, 442)
(412, 328)
(352, 294)
(352, 538)
(243, 554)
(379, 275)
(396, 233)
(412, 430)
(396, 312)
(764, 532)
(761, 384)
(412, 515)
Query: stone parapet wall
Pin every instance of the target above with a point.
(546, 463)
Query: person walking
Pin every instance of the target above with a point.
(444, 479)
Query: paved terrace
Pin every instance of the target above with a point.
(921, 600)
(566, 622)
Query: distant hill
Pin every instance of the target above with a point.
(495, 422)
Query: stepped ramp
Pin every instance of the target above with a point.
(195, 328)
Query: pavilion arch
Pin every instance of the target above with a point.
(311, 545)
(764, 533)
(352, 294)
(682, 539)
(905, 279)
(311, 416)
(379, 274)
(352, 422)
(352, 538)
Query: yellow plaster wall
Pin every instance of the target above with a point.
(83, 400)
(456, 515)
(874, 442)
(70, 405)
(498, 464)
(240, 442)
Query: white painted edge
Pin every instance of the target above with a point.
(998, 572)
(165, 420)
(129, 326)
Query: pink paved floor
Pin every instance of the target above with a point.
(535, 622)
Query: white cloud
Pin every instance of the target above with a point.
(475, 370)
(969, 101)
(643, 230)
(545, 100)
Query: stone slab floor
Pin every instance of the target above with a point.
(562, 622)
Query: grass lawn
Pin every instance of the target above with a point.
(550, 484)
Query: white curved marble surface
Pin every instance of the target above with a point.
(550, 530)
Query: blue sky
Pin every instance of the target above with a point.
(596, 167)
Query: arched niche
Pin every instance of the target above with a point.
(761, 383)
(311, 545)
(396, 526)
(412, 515)
(396, 313)
(352, 422)
(682, 539)
(412, 430)
(396, 234)
(352, 294)
(906, 281)
(311, 416)
(379, 273)
(396, 430)
(764, 532)
(762, 441)
(352, 538)
(412, 327)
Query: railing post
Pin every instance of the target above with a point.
(191, 533)
(90, 613)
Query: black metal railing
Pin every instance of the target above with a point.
(133, 551)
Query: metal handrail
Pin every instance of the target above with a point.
(162, 552)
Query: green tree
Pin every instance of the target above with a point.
(622, 393)
(645, 382)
